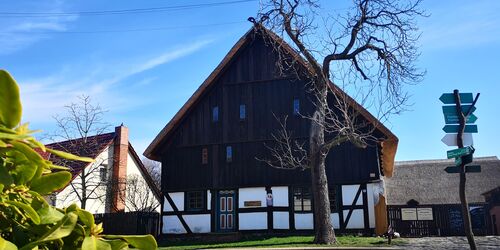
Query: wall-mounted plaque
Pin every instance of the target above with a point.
(408, 214)
(252, 203)
(424, 213)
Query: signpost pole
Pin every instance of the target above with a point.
(460, 143)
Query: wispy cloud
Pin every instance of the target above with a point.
(17, 33)
(465, 24)
(46, 95)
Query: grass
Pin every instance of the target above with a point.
(290, 241)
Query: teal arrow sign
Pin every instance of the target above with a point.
(468, 169)
(452, 110)
(449, 98)
(453, 119)
(459, 152)
(454, 129)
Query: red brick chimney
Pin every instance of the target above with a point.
(119, 168)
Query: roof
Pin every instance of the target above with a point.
(92, 148)
(389, 145)
(426, 182)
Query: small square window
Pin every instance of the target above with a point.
(296, 106)
(215, 114)
(229, 154)
(204, 156)
(195, 200)
(243, 112)
(302, 199)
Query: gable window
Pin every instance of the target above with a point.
(302, 199)
(215, 114)
(229, 154)
(204, 156)
(103, 173)
(332, 195)
(296, 106)
(243, 112)
(195, 200)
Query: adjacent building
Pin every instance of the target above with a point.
(423, 199)
(101, 186)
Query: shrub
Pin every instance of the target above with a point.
(27, 221)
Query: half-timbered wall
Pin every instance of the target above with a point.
(355, 211)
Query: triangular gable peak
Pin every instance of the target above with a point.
(388, 145)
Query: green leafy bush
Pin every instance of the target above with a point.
(27, 221)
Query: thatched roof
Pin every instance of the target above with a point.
(426, 182)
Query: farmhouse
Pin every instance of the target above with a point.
(212, 178)
(106, 179)
(423, 199)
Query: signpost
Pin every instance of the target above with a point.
(453, 119)
(451, 139)
(468, 169)
(459, 152)
(456, 128)
(456, 117)
(449, 98)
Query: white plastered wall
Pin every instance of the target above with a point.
(98, 202)
(133, 170)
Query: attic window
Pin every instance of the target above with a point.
(229, 154)
(243, 112)
(103, 173)
(215, 114)
(296, 106)
(204, 156)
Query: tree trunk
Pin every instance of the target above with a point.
(465, 211)
(461, 189)
(83, 202)
(322, 223)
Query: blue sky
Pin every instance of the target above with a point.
(142, 67)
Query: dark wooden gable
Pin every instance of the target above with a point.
(252, 79)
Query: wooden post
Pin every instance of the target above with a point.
(460, 143)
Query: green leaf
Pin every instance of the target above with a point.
(6, 245)
(62, 229)
(10, 102)
(5, 177)
(145, 242)
(69, 156)
(30, 212)
(93, 243)
(3, 144)
(86, 218)
(49, 215)
(13, 136)
(49, 183)
(117, 244)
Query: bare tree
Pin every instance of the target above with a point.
(363, 57)
(139, 196)
(154, 170)
(77, 132)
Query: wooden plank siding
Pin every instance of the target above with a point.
(251, 79)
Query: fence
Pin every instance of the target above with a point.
(438, 220)
(130, 223)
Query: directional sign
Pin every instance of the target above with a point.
(449, 98)
(459, 152)
(452, 110)
(454, 129)
(468, 169)
(451, 139)
(453, 119)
